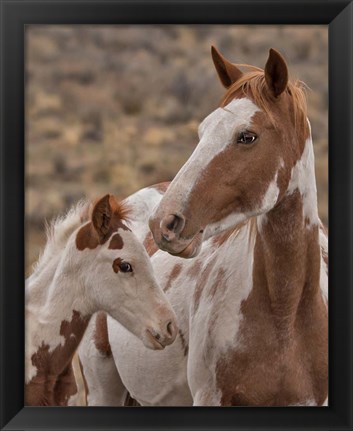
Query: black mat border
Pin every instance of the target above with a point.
(14, 16)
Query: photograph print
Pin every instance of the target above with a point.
(176, 191)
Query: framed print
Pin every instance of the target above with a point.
(114, 127)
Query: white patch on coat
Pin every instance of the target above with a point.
(142, 204)
(207, 347)
(303, 179)
(323, 240)
(104, 383)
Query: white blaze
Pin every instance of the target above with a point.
(216, 132)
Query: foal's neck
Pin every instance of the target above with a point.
(55, 326)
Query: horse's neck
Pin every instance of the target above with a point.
(287, 252)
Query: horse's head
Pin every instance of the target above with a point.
(117, 276)
(242, 166)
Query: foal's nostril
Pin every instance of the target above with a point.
(170, 328)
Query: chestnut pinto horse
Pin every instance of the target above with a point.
(252, 302)
(85, 268)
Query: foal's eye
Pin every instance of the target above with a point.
(246, 138)
(125, 267)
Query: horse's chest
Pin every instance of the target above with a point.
(265, 370)
(269, 378)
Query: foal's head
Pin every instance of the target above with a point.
(117, 277)
(243, 164)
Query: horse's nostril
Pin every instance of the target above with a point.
(157, 336)
(172, 222)
(171, 225)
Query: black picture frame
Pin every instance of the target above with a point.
(338, 15)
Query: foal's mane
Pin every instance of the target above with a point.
(58, 232)
(252, 83)
(59, 229)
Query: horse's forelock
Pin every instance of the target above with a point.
(252, 84)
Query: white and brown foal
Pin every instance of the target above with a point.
(252, 302)
(98, 265)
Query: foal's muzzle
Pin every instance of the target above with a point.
(164, 336)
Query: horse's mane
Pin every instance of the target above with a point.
(252, 83)
(59, 230)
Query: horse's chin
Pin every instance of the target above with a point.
(192, 249)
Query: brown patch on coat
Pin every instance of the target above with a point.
(116, 264)
(172, 276)
(194, 271)
(55, 382)
(116, 242)
(219, 284)
(150, 245)
(107, 217)
(87, 236)
(202, 278)
(101, 337)
(184, 345)
(282, 353)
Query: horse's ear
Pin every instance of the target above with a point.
(228, 73)
(102, 216)
(276, 73)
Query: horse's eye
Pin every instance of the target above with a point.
(246, 138)
(125, 267)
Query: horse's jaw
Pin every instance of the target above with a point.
(178, 246)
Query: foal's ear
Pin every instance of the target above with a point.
(276, 73)
(102, 216)
(228, 72)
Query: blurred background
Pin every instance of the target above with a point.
(116, 108)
